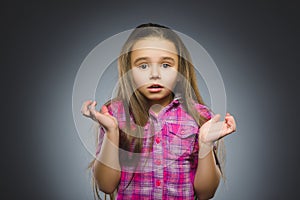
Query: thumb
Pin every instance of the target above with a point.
(216, 118)
(104, 110)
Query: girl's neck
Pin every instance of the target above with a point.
(157, 105)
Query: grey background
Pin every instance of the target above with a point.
(255, 45)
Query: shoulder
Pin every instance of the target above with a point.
(116, 108)
(204, 110)
(114, 105)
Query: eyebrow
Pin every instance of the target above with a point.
(147, 58)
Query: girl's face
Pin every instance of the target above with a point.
(154, 63)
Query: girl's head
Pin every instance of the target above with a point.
(155, 56)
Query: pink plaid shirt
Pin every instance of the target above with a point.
(167, 164)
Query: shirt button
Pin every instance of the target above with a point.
(158, 162)
(157, 183)
(157, 140)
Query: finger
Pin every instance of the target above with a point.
(216, 118)
(227, 116)
(95, 115)
(85, 105)
(221, 129)
(93, 105)
(104, 109)
(104, 119)
(227, 130)
(228, 120)
(231, 122)
(84, 108)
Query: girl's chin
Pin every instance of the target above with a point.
(159, 99)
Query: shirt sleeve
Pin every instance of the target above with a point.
(208, 114)
(204, 111)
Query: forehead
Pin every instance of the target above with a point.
(155, 44)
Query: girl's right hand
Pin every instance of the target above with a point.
(109, 122)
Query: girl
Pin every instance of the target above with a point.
(157, 138)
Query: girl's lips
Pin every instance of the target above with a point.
(155, 88)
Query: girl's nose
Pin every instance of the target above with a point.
(155, 72)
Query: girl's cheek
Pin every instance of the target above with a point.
(139, 82)
(170, 79)
(139, 78)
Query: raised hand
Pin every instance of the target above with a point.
(103, 118)
(213, 130)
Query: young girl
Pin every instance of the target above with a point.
(157, 138)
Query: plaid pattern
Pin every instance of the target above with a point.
(167, 164)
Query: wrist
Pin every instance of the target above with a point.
(205, 148)
(113, 135)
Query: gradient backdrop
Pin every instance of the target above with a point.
(255, 45)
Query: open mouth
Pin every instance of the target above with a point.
(155, 86)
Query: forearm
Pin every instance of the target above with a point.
(207, 177)
(107, 167)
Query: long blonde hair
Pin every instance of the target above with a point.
(135, 104)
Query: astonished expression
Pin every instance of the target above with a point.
(154, 63)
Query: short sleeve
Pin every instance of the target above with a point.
(204, 111)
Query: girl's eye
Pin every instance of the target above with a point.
(143, 66)
(166, 65)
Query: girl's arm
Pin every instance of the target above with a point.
(106, 167)
(107, 171)
(207, 177)
(208, 174)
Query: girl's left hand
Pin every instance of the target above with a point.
(214, 129)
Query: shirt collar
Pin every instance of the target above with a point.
(177, 99)
(175, 102)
